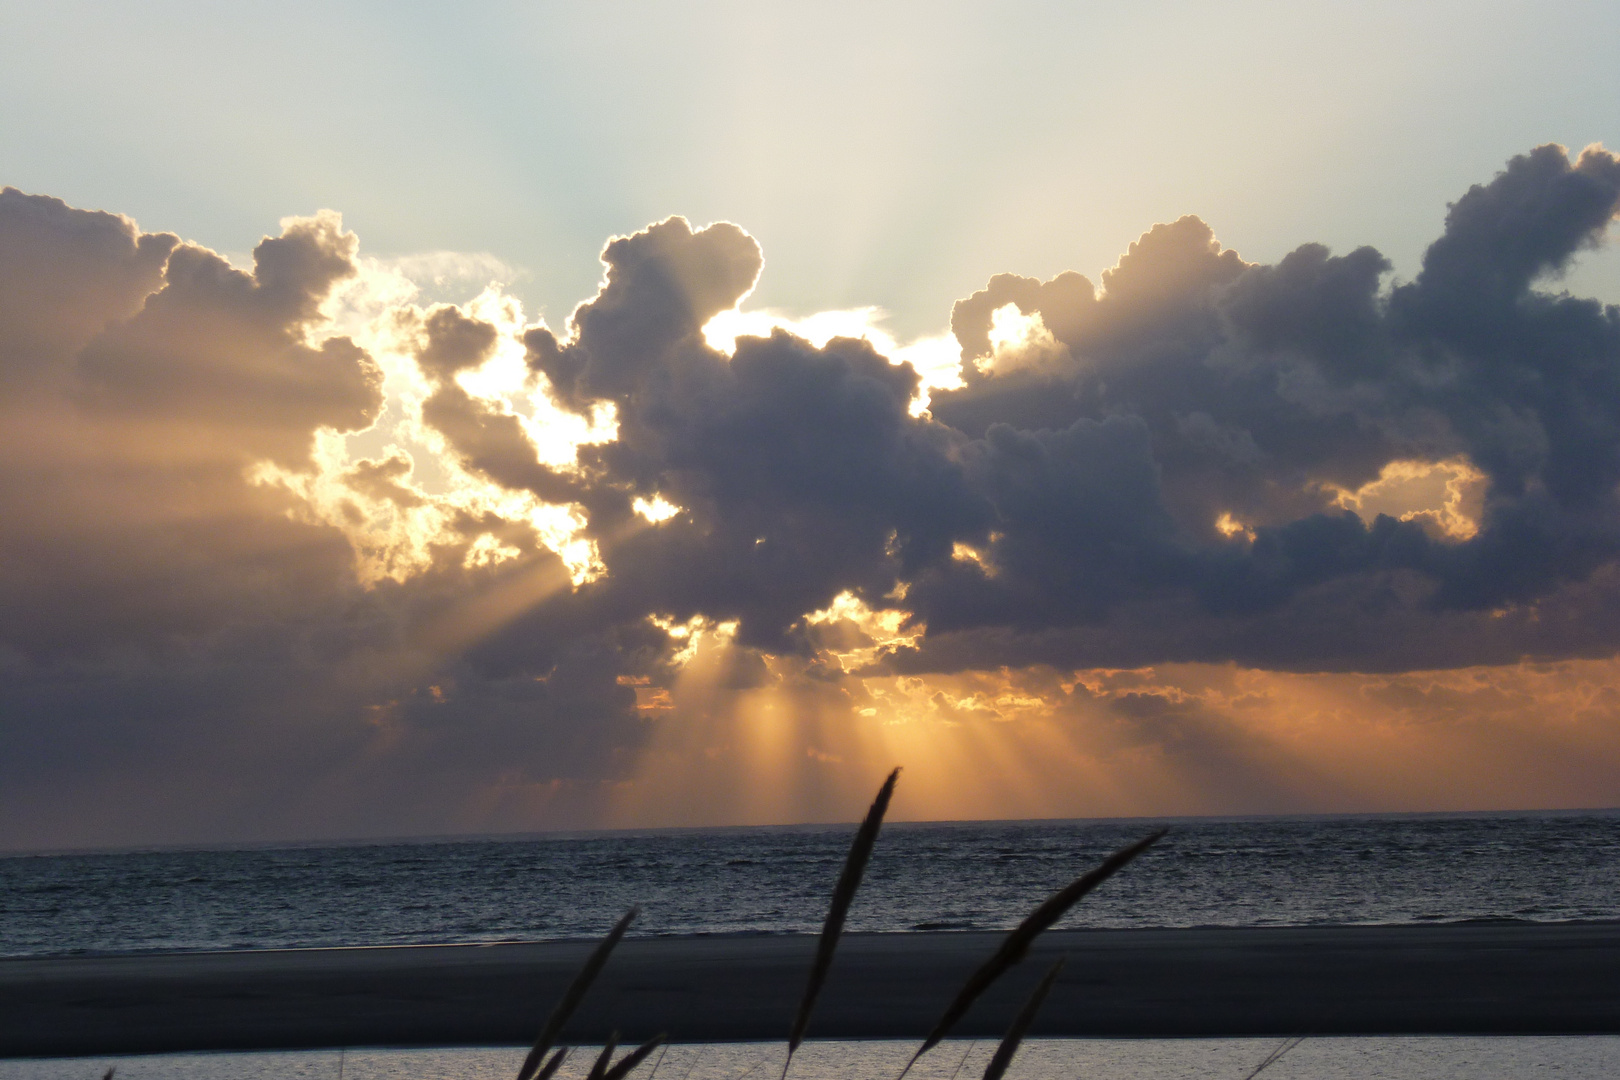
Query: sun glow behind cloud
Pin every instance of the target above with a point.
(937, 358)
(1177, 739)
(395, 528)
(1446, 497)
(1020, 342)
(655, 509)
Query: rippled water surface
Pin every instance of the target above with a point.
(1408, 1058)
(1301, 871)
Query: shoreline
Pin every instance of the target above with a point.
(750, 935)
(1451, 978)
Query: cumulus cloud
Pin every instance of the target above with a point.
(188, 628)
(1265, 392)
(294, 516)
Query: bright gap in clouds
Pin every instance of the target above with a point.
(937, 357)
(397, 488)
(1446, 497)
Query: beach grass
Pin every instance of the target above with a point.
(1012, 950)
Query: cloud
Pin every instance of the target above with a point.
(66, 274)
(1264, 389)
(190, 647)
(221, 357)
(801, 471)
(128, 516)
(311, 535)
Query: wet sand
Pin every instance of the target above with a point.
(1458, 979)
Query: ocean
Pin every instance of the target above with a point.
(1381, 869)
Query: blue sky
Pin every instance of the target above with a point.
(890, 154)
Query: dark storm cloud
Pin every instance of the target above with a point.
(219, 354)
(1080, 527)
(187, 653)
(801, 472)
(1217, 358)
(66, 274)
(1193, 389)
(128, 514)
(1260, 386)
(662, 286)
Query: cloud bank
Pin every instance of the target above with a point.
(287, 552)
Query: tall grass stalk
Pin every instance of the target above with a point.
(1016, 945)
(1015, 1032)
(599, 1067)
(1275, 1056)
(860, 853)
(550, 1068)
(635, 1057)
(573, 996)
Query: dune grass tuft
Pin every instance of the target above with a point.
(1012, 950)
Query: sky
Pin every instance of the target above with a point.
(421, 421)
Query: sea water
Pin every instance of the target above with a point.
(1539, 867)
(1237, 872)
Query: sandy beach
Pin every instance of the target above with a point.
(1495, 978)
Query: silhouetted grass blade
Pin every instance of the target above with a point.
(1275, 1056)
(599, 1069)
(549, 1069)
(573, 996)
(1017, 943)
(860, 851)
(1015, 1034)
(635, 1057)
